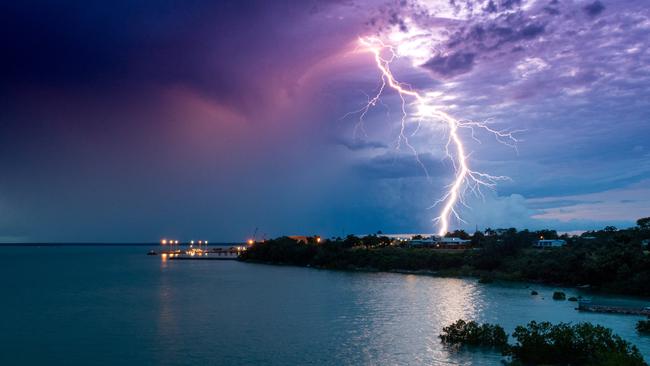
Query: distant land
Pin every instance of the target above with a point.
(609, 260)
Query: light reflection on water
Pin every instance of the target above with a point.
(106, 306)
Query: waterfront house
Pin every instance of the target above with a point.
(424, 242)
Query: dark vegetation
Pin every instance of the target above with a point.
(548, 344)
(643, 326)
(610, 260)
(472, 334)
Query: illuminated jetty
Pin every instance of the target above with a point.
(199, 250)
(212, 254)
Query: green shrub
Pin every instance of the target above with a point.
(470, 333)
(643, 326)
(543, 343)
(566, 344)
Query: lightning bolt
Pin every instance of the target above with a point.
(465, 179)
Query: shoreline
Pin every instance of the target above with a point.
(447, 274)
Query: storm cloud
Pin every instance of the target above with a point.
(127, 121)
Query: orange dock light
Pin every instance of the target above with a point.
(251, 242)
(163, 242)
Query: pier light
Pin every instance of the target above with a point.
(250, 242)
(318, 239)
(176, 242)
(206, 242)
(200, 241)
(192, 242)
(163, 242)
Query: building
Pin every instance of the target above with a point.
(440, 243)
(452, 243)
(550, 243)
(424, 242)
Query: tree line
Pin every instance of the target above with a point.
(610, 259)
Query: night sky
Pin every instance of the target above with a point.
(127, 121)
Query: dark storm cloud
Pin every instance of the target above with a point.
(359, 144)
(509, 4)
(491, 6)
(451, 65)
(162, 116)
(551, 10)
(219, 48)
(395, 19)
(74, 41)
(102, 99)
(483, 37)
(492, 34)
(573, 74)
(594, 8)
(393, 165)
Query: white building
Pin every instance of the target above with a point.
(550, 243)
(452, 241)
(424, 242)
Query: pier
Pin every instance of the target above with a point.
(231, 253)
(586, 305)
(173, 250)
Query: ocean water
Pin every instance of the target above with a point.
(102, 305)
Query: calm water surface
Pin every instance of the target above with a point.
(115, 305)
